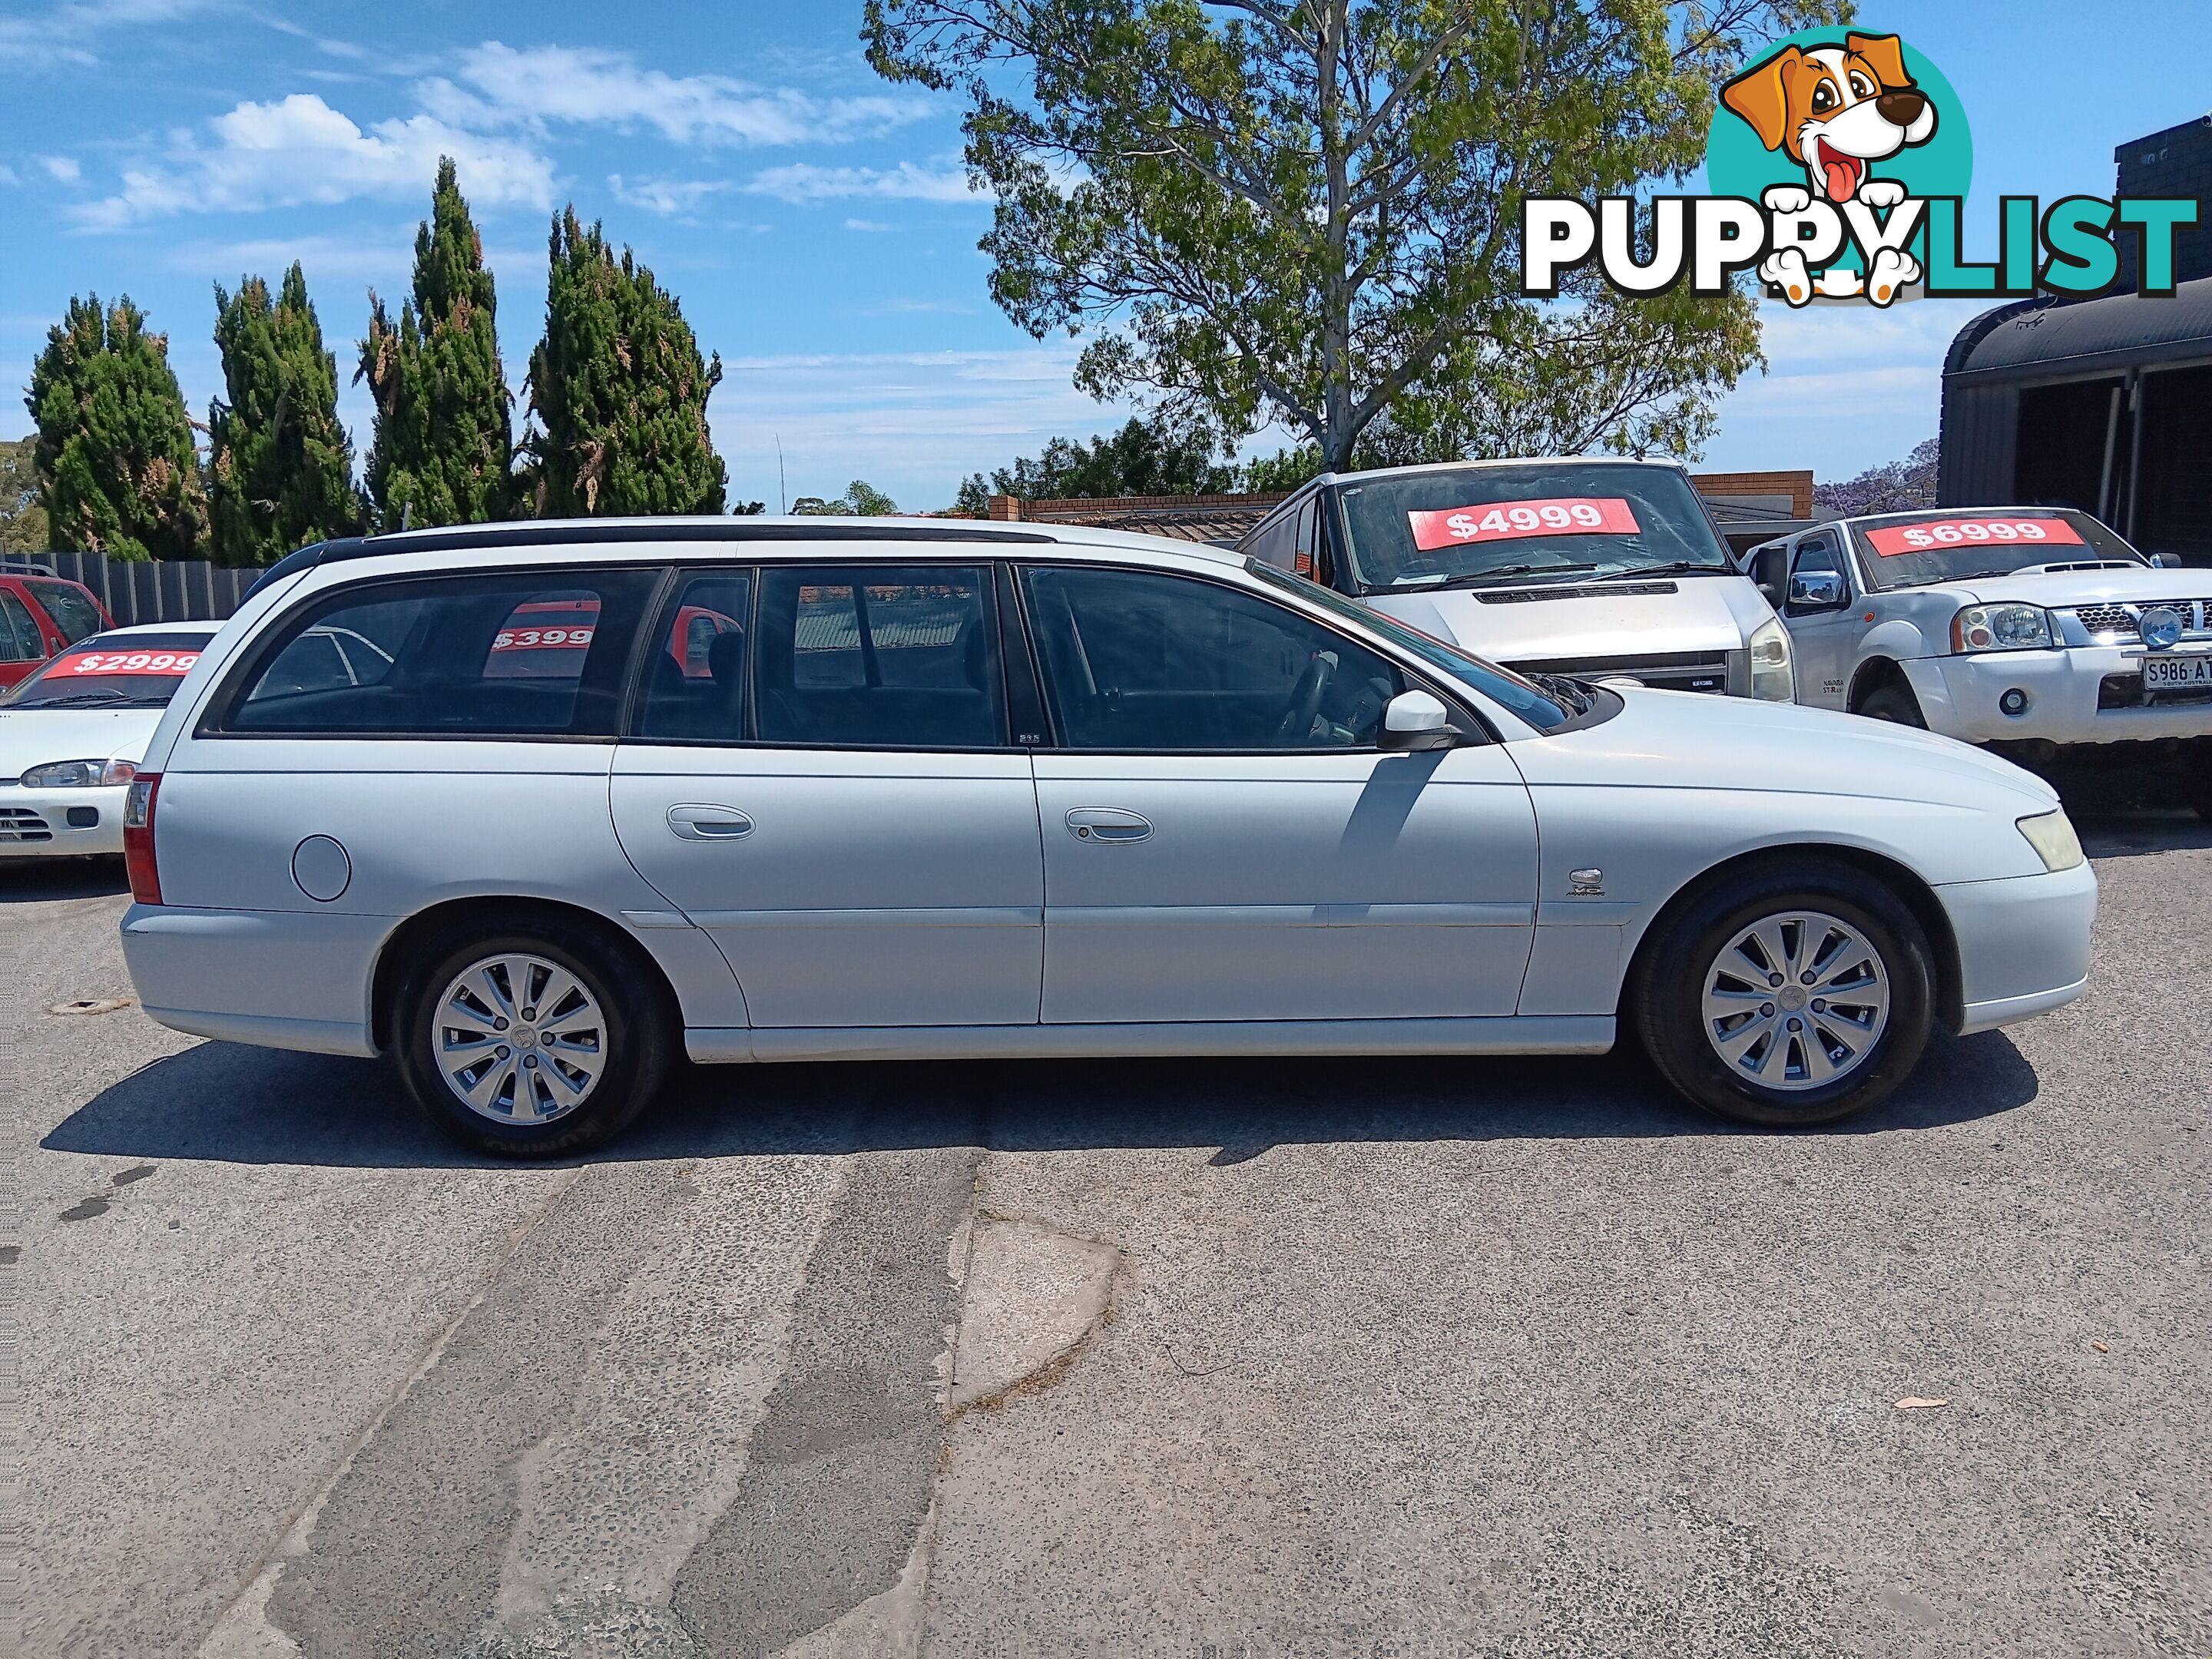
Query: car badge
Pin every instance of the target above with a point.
(1585, 883)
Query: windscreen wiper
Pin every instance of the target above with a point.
(79, 699)
(1482, 578)
(1671, 567)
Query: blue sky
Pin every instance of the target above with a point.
(813, 219)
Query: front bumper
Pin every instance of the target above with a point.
(37, 823)
(1958, 695)
(2023, 944)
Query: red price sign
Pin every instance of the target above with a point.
(174, 663)
(1511, 521)
(1931, 533)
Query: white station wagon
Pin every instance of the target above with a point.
(782, 791)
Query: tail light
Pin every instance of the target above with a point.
(138, 838)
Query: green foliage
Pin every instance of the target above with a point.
(116, 470)
(22, 517)
(861, 499)
(620, 390)
(1146, 457)
(1311, 213)
(280, 467)
(443, 451)
(1284, 471)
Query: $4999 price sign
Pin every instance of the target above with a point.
(1510, 521)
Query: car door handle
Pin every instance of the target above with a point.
(709, 822)
(1108, 823)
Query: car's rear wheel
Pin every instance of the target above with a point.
(1786, 997)
(1894, 703)
(531, 1040)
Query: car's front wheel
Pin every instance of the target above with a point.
(1786, 997)
(529, 1040)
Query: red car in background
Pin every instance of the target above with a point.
(41, 613)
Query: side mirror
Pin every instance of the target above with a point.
(2158, 561)
(1816, 590)
(1415, 721)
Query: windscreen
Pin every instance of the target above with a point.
(1910, 549)
(1473, 526)
(142, 671)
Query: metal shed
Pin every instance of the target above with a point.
(2105, 405)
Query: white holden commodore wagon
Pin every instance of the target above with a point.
(776, 791)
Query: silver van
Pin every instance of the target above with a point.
(1597, 568)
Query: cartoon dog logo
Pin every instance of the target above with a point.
(1836, 111)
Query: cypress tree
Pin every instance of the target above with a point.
(280, 467)
(116, 470)
(443, 449)
(619, 390)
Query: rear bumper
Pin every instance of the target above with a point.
(2024, 944)
(35, 822)
(277, 978)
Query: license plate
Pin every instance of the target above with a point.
(2192, 673)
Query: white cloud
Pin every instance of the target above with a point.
(7, 175)
(663, 195)
(868, 225)
(499, 85)
(68, 33)
(299, 150)
(63, 168)
(803, 182)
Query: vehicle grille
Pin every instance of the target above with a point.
(2110, 625)
(1668, 670)
(21, 823)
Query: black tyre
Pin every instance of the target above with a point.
(1894, 703)
(1788, 996)
(533, 1039)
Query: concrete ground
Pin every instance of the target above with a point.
(1381, 1358)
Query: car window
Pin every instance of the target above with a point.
(1138, 661)
(878, 657)
(1907, 550)
(695, 676)
(68, 606)
(19, 632)
(114, 670)
(1817, 553)
(519, 653)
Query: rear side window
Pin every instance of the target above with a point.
(537, 653)
(878, 657)
(72, 608)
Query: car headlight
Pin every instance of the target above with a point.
(79, 775)
(2051, 835)
(2001, 628)
(1771, 677)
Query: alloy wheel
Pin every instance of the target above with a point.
(1796, 1001)
(519, 1039)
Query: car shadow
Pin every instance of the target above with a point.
(225, 1103)
(2134, 834)
(41, 881)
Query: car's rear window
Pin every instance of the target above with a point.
(140, 671)
(523, 654)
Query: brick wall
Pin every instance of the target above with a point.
(1798, 486)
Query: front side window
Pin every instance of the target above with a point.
(19, 631)
(878, 657)
(73, 611)
(527, 653)
(1817, 555)
(1138, 661)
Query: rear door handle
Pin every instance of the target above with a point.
(709, 822)
(1108, 823)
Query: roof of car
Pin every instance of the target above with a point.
(837, 537)
(153, 631)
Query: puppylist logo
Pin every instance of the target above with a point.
(1839, 163)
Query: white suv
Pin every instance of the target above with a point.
(794, 791)
(2035, 630)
